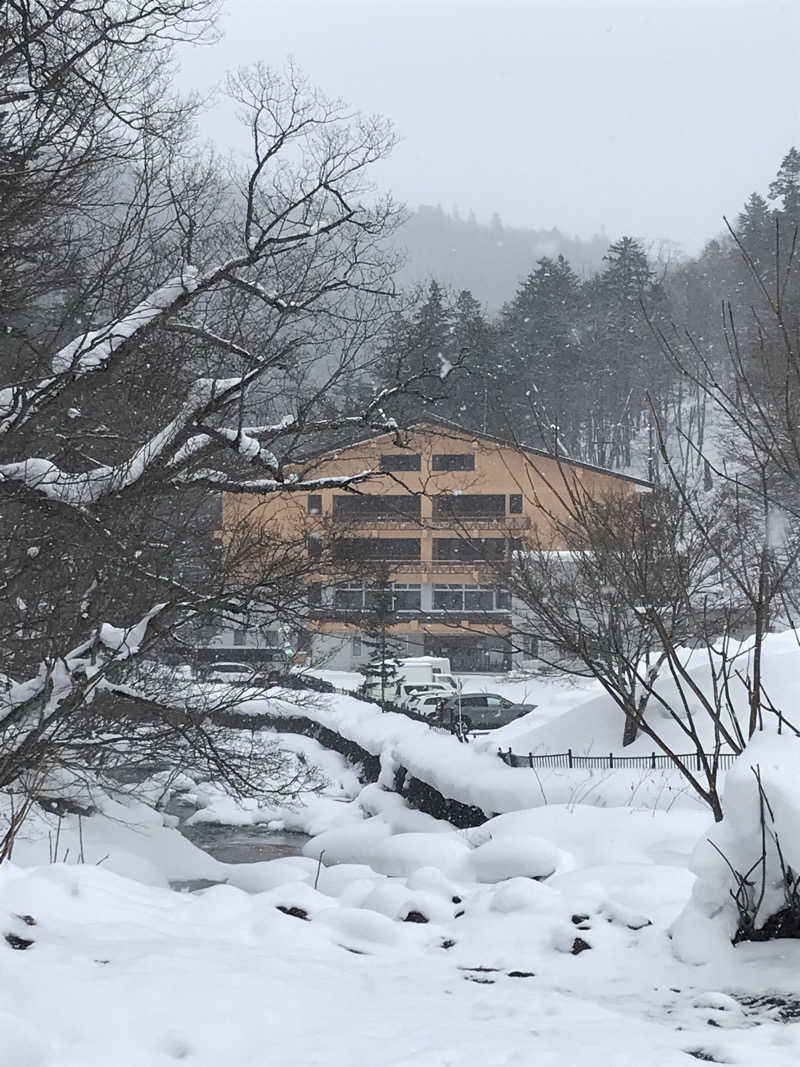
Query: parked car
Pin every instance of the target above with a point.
(234, 673)
(427, 703)
(408, 691)
(483, 711)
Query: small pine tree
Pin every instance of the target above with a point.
(381, 669)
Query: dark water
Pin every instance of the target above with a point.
(233, 844)
(243, 844)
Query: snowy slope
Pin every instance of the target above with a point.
(595, 725)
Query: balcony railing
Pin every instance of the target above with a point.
(389, 522)
(329, 613)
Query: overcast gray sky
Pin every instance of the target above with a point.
(650, 117)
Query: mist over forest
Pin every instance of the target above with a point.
(488, 258)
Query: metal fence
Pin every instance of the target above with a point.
(655, 761)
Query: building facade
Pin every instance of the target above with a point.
(421, 548)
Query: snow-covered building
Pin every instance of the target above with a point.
(437, 524)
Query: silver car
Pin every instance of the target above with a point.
(483, 711)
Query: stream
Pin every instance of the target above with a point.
(233, 844)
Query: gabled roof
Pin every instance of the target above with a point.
(436, 424)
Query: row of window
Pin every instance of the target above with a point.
(407, 505)
(412, 461)
(403, 596)
(368, 596)
(470, 598)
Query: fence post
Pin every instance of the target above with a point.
(569, 758)
(652, 761)
(530, 759)
(610, 760)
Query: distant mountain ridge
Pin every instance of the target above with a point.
(489, 259)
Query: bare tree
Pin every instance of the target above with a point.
(188, 343)
(631, 589)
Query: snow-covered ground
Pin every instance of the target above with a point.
(554, 933)
(122, 973)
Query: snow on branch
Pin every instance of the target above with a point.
(222, 482)
(39, 697)
(80, 489)
(93, 349)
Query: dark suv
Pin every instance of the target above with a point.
(482, 711)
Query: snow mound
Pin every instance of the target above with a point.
(404, 854)
(267, 874)
(398, 902)
(514, 857)
(336, 880)
(523, 894)
(765, 855)
(359, 929)
(348, 844)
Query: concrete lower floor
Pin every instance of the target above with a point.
(468, 653)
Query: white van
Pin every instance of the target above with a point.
(425, 670)
(419, 672)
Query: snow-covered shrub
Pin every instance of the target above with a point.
(748, 866)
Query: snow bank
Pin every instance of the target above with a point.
(764, 855)
(594, 725)
(471, 774)
(127, 838)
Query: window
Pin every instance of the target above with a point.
(474, 598)
(454, 461)
(315, 594)
(358, 548)
(314, 504)
(240, 637)
(469, 506)
(472, 702)
(407, 597)
(314, 544)
(476, 549)
(478, 598)
(369, 596)
(399, 505)
(401, 461)
(355, 644)
(448, 598)
(530, 646)
(515, 504)
(378, 597)
(349, 596)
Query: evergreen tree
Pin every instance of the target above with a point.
(786, 187)
(471, 343)
(381, 670)
(422, 347)
(625, 360)
(755, 228)
(539, 354)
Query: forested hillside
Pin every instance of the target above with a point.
(589, 364)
